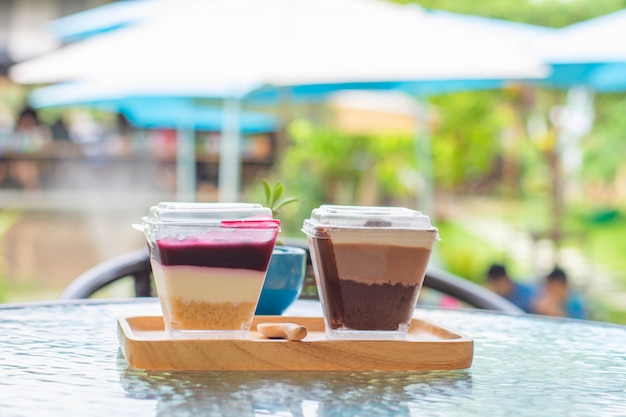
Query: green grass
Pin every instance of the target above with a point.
(598, 234)
(7, 219)
(464, 253)
(616, 316)
(27, 291)
(603, 241)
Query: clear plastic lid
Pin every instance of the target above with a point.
(171, 213)
(365, 217)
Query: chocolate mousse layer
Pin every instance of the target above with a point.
(376, 307)
(369, 286)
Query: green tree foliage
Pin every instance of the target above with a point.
(467, 136)
(552, 13)
(469, 142)
(322, 165)
(605, 147)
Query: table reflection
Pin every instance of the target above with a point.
(292, 393)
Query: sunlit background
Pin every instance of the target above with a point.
(502, 120)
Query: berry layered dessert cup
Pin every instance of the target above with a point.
(209, 262)
(369, 265)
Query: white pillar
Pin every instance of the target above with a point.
(426, 192)
(186, 160)
(230, 152)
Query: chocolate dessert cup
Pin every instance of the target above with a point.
(369, 265)
(209, 263)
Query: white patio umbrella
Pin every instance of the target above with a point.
(283, 42)
(590, 53)
(240, 45)
(599, 40)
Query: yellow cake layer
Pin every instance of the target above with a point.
(209, 316)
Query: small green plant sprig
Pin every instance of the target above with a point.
(273, 196)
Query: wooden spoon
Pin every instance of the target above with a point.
(289, 331)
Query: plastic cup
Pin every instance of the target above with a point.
(369, 265)
(209, 262)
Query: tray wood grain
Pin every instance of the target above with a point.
(145, 345)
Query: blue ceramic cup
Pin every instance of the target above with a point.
(284, 280)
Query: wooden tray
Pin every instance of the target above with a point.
(146, 346)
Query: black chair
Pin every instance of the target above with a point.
(136, 265)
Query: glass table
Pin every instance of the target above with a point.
(59, 359)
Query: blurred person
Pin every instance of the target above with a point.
(59, 130)
(29, 136)
(7, 123)
(120, 140)
(499, 281)
(557, 299)
(29, 133)
(4, 171)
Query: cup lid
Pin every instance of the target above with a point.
(366, 217)
(225, 214)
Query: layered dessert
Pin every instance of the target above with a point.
(369, 272)
(209, 262)
(210, 283)
(371, 286)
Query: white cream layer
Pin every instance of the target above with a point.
(205, 284)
